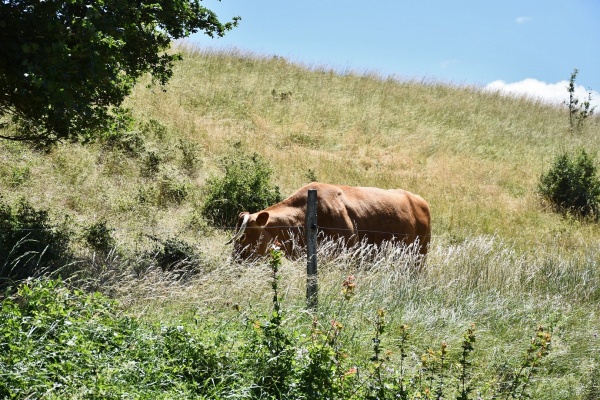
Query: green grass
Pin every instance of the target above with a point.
(499, 259)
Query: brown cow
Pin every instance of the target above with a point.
(355, 214)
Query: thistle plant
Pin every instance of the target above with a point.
(464, 385)
(404, 336)
(378, 388)
(271, 353)
(532, 359)
(443, 352)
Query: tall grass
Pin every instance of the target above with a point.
(483, 281)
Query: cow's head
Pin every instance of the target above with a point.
(251, 239)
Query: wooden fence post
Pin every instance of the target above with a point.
(312, 288)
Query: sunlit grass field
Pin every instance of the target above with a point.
(499, 257)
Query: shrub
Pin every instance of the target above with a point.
(246, 186)
(171, 254)
(572, 185)
(189, 157)
(150, 165)
(29, 243)
(154, 128)
(99, 237)
(173, 188)
(121, 134)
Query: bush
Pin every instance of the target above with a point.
(572, 185)
(99, 237)
(246, 186)
(172, 186)
(61, 343)
(121, 134)
(190, 159)
(171, 254)
(29, 243)
(174, 252)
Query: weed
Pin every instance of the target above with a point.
(190, 160)
(578, 112)
(377, 386)
(271, 352)
(538, 349)
(464, 385)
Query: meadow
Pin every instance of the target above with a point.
(501, 261)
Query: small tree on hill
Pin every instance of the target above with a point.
(65, 65)
(572, 185)
(578, 112)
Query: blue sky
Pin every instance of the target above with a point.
(519, 46)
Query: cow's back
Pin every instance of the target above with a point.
(376, 215)
(364, 213)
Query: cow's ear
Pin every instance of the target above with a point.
(262, 218)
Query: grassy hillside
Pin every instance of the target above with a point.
(476, 157)
(499, 257)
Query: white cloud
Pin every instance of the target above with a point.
(448, 63)
(553, 93)
(522, 20)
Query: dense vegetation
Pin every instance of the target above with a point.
(67, 65)
(133, 209)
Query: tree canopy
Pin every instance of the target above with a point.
(66, 64)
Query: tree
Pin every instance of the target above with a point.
(66, 65)
(572, 185)
(578, 112)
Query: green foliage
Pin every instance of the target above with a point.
(530, 364)
(270, 351)
(66, 65)
(19, 175)
(62, 343)
(171, 254)
(30, 243)
(174, 252)
(99, 237)
(173, 188)
(150, 165)
(190, 160)
(246, 186)
(468, 346)
(572, 185)
(59, 342)
(578, 112)
(121, 134)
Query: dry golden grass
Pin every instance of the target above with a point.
(475, 156)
